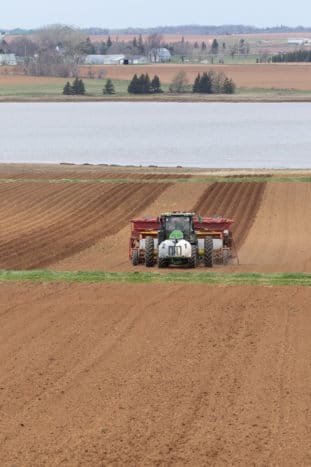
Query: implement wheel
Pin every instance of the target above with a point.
(194, 257)
(135, 258)
(208, 252)
(149, 248)
(163, 263)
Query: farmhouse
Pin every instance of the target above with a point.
(160, 55)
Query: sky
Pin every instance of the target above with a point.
(143, 13)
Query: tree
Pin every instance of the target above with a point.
(206, 83)
(155, 86)
(154, 42)
(179, 83)
(87, 47)
(196, 84)
(109, 42)
(109, 87)
(23, 47)
(215, 47)
(67, 91)
(78, 87)
(228, 86)
(141, 46)
(133, 86)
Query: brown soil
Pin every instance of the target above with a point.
(154, 375)
(42, 223)
(117, 374)
(267, 76)
(86, 226)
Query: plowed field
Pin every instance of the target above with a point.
(266, 76)
(160, 374)
(85, 226)
(41, 223)
(94, 375)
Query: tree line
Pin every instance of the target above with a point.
(296, 56)
(205, 83)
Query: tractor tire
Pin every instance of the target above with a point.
(135, 258)
(163, 263)
(194, 257)
(208, 252)
(149, 248)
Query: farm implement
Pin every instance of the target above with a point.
(180, 238)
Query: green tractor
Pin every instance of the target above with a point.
(177, 242)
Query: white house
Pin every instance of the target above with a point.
(160, 55)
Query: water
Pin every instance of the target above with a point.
(224, 135)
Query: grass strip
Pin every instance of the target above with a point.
(211, 278)
(159, 180)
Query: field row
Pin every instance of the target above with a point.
(43, 223)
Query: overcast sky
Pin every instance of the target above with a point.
(143, 13)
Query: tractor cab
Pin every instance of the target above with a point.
(176, 226)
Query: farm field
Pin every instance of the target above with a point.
(256, 76)
(254, 82)
(152, 374)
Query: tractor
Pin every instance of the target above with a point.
(180, 238)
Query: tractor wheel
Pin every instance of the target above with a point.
(149, 247)
(194, 257)
(208, 252)
(135, 258)
(162, 263)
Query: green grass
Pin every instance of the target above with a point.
(209, 278)
(54, 88)
(160, 180)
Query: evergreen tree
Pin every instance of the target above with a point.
(75, 86)
(109, 42)
(133, 86)
(109, 87)
(147, 85)
(214, 47)
(206, 84)
(141, 46)
(78, 87)
(67, 89)
(228, 86)
(196, 84)
(156, 85)
(102, 48)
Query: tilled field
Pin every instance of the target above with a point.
(266, 76)
(154, 375)
(151, 374)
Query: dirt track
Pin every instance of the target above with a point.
(154, 375)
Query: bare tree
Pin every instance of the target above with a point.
(180, 83)
(23, 47)
(59, 51)
(153, 43)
